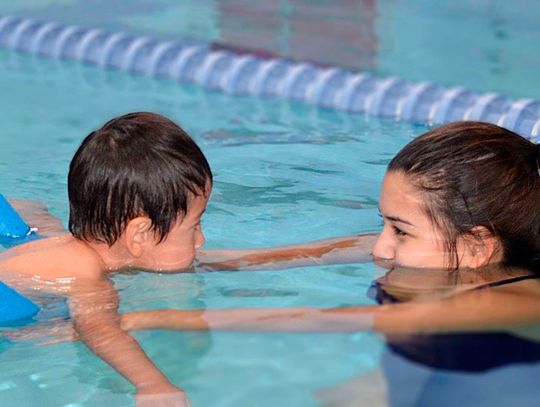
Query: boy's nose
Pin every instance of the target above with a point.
(200, 239)
(384, 248)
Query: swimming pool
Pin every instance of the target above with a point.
(284, 173)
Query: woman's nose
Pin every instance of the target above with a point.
(384, 248)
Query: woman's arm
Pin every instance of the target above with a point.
(253, 320)
(513, 311)
(35, 214)
(347, 249)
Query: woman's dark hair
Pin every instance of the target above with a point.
(478, 174)
(139, 164)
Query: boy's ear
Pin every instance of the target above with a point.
(482, 247)
(137, 235)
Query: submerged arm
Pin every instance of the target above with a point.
(480, 311)
(347, 249)
(514, 309)
(515, 312)
(94, 306)
(36, 214)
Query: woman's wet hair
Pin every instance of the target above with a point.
(139, 164)
(476, 174)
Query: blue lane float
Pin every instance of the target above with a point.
(244, 74)
(13, 306)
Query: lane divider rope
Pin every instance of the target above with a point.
(245, 74)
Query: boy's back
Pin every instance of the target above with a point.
(51, 259)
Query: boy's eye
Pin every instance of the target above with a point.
(398, 231)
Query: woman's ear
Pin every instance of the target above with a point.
(481, 248)
(137, 235)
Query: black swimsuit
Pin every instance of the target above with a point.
(469, 352)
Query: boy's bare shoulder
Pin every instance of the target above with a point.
(54, 258)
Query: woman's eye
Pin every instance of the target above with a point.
(398, 231)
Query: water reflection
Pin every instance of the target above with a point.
(467, 367)
(345, 30)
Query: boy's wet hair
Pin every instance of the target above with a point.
(478, 174)
(139, 164)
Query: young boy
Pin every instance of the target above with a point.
(138, 187)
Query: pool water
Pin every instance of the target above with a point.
(485, 45)
(284, 173)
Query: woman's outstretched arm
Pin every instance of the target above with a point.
(511, 310)
(36, 214)
(347, 249)
(515, 310)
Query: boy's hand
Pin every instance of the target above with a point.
(166, 396)
(93, 306)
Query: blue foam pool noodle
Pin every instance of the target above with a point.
(13, 306)
(11, 224)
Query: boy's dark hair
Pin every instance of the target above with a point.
(478, 174)
(139, 164)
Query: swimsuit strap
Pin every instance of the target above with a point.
(377, 292)
(507, 281)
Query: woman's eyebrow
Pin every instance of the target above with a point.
(395, 218)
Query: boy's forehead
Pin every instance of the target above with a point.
(198, 192)
(208, 187)
(197, 203)
(204, 194)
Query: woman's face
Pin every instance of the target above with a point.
(409, 238)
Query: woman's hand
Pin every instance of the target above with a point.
(346, 249)
(36, 214)
(165, 395)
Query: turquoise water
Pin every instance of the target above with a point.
(284, 173)
(486, 45)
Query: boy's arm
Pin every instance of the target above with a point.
(35, 214)
(94, 309)
(347, 249)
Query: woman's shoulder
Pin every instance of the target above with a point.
(527, 283)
